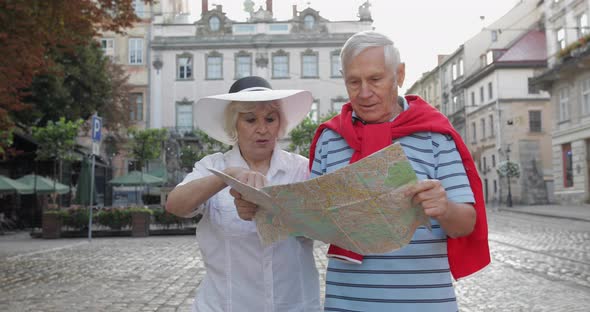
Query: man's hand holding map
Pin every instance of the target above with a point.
(360, 207)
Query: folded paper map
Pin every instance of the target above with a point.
(360, 207)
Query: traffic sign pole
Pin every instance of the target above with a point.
(96, 137)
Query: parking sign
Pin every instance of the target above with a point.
(96, 128)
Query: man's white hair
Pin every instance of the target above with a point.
(369, 39)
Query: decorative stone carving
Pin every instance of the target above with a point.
(261, 60)
(364, 12)
(249, 6)
(261, 15)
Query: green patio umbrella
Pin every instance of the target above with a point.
(137, 178)
(8, 185)
(43, 185)
(83, 188)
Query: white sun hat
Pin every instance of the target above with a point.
(210, 110)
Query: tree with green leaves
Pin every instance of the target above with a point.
(35, 34)
(56, 141)
(146, 145)
(302, 135)
(203, 146)
(80, 83)
(508, 169)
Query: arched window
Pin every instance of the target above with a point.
(214, 23)
(309, 22)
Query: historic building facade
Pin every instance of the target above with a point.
(485, 94)
(191, 61)
(568, 80)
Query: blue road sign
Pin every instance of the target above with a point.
(96, 128)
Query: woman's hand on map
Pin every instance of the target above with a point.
(246, 210)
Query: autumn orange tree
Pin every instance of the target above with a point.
(34, 34)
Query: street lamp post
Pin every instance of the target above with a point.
(509, 199)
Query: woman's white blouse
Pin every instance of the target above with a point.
(242, 275)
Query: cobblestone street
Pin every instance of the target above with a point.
(538, 264)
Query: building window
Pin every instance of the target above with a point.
(214, 66)
(483, 128)
(586, 96)
(491, 125)
(495, 187)
(454, 71)
(489, 57)
(474, 133)
(481, 95)
(564, 113)
(337, 104)
(494, 35)
(531, 88)
(314, 113)
(278, 27)
(568, 172)
(244, 29)
(560, 38)
(309, 22)
(461, 67)
(485, 165)
(309, 64)
(582, 21)
(280, 64)
(493, 161)
(490, 91)
(535, 121)
(136, 108)
(335, 64)
(214, 23)
(472, 98)
(184, 66)
(135, 51)
(108, 46)
(139, 8)
(184, 117)
(243, 65)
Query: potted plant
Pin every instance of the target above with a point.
(114, 218)
(76, 218)
(140, 221)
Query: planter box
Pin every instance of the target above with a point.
(51, 225)
(140, 224)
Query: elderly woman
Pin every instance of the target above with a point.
(241, 273)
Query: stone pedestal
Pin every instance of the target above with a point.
(140, 224)
(51, 225)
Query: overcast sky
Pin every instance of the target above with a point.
(421, 29)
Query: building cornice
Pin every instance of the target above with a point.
(242, 42)
(477, 108)
(477, 76)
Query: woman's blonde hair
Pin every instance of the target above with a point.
(233, 110)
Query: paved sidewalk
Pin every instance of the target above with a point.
(573, 212)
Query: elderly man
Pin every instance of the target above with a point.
(419, 276)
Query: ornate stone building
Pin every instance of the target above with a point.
(568, 80)
(190, 61)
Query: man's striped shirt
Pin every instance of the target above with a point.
(416, 277)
